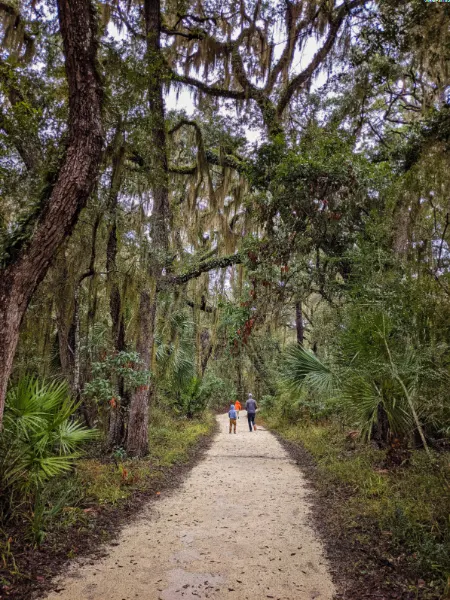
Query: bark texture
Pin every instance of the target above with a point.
(73, 183)
(137, 440)
(299, 322)
(117, 421)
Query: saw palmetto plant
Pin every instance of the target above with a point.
(41, 439)
(367, 378)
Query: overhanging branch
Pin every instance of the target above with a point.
(204, 267)
(299, 80)
(211, 90)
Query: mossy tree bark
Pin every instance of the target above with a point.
(299, 322)
(117, 425)
(137, 441)
(73, 182)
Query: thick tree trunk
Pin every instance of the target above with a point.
(75, 180)
(137, 443)
(160, 190)
(206, 349)
(299, 322)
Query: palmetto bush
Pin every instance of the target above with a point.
(40, 440)
(373, 373)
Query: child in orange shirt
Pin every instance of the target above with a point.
(237, 407)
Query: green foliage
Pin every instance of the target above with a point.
(170, 441)
(171, 438)
(197, 394)
(192, 398)
(41, 441)
(175, 358)
(319, 188)
(304, 368)
(215, 391)
(125, 365)
(233, 320)
(374, 363)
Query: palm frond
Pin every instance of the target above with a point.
(303, 368)
(40, 439)
(69, 435)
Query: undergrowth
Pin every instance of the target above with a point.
(72, 501)
(409, 506)
(170, 441)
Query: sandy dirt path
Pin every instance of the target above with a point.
(239, 527)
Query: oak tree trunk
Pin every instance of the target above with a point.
(137, 441)
(117, 414)
(73, 183)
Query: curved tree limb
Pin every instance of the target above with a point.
(204, 267)
(211, 90)
(299, 80)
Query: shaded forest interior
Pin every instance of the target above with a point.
(282, 229)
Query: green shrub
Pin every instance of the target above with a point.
(40, 441)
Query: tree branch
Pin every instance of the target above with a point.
(299, 80)
(211, 90)
(128, 25)
(288, 53)
(189, 35)
(204, 267)
(17, 24)
(187, 170)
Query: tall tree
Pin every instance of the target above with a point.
(137, 442)
(29, 255)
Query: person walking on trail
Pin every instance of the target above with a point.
(250, 407)
(238, 407)
(233, 416)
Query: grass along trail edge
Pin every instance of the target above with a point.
(105, 495)
(386, 531)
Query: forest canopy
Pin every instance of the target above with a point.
(339, 202)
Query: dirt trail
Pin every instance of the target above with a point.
(239, 527)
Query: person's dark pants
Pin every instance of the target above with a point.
(251, 420)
